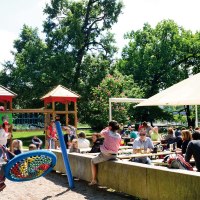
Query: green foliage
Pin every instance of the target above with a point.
(27, 75)
(160, 57)
(74, 28)
(115, 85)
(77, 51)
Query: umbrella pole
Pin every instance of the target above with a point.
(196, 116)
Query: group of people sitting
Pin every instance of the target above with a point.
(184, 141)
(73, 141)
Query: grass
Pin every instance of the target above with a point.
(26, 136)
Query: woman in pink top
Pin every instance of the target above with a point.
(109, 149)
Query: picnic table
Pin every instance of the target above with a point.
(154, 142)
(139, 155)
(125, 147)
(85, 150)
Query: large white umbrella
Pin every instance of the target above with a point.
(185, 92)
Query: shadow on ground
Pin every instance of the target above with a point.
(89, 192)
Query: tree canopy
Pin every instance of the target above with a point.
(78, 52)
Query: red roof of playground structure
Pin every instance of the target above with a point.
(60, 94)
(6, 94)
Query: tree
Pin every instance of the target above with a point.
(115, 85)
(75, 32)
(160, 57)
(27, 76)
(78, 27)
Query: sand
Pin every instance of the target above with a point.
(55, 186)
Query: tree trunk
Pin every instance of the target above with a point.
(191, 122)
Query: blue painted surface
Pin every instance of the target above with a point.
(64, 154)
(29, 155)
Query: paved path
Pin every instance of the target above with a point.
(54, 186)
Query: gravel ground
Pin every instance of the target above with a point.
(55, 186)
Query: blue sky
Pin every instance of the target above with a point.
(15, 13)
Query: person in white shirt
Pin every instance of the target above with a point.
(82, 141)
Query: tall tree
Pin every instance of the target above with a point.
(115, 85)
(78, 27)
(27, 76)
(75, 32)
(160, 57)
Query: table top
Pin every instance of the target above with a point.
(82, 150)
(139, 155)
(125, 147)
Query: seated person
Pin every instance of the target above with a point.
(68, 137)
(37, 142)
(170, 137)
(121, 129)
(82, 141)
(154, 134)
(142, 144)
(32, 147)
(179, 139)
(97, 141)
(128, 131)
(74, 146)
(133, 135)
(170, 134)
(72, 131)
(147, 127)
(186, 137)
(16, 147)
(193, 149)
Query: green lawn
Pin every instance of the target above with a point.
(26, 136)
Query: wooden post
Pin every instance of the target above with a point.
(10, 106)
(53, 108)
(11, 127)
(67, 115)
(5, 105)
(75, 115)
(46, 116)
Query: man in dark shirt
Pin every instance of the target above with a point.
(193, 149)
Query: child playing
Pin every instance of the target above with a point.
(37, 142)
(68, 137)
(32, 147)
(17, 147)
(109, 149)
(74, 146)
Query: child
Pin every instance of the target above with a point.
(32, 147)
(37, 142)
(74, 146)
(68, 137)
(52, 135)
(109, 149)
(17, 147)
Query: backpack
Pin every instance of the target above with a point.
(177, 161)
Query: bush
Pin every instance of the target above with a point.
(115, 85)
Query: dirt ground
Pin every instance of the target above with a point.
(55, 186)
